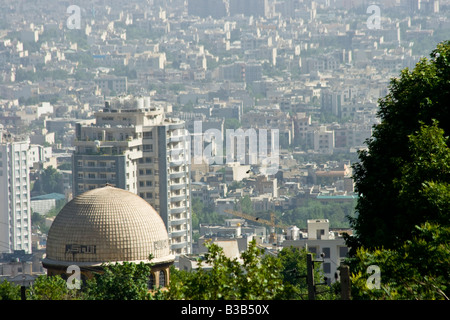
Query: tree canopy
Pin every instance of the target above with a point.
(396, 176)
(419, 267)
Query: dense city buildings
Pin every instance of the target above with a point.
(124, 93)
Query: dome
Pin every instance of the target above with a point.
(107, 225)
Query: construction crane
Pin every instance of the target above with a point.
(271, 223)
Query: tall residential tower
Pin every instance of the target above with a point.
(133, 146)
(15, 207)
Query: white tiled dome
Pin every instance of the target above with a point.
(107, 225)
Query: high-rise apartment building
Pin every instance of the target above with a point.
(15, 207)
(133, 146)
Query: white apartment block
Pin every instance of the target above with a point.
(319, 241)
(133, 146)
(324, 140)
(15, 206)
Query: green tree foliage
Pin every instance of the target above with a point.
(419, 267)
(337, 213)
(50, 180)
(51, 288)
(205, 214)
(294, 270)
(418, 270)
(387, 210)
(120, 281)
(257, 277)
(9, 291)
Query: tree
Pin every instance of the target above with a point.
(50, 180)
(258, 277)
(419, 267)
(386, 217)
(416, 271)
(9, 291)
(51, 288)
(294, 271)
(120, 281)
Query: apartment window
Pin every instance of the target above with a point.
(149, 195)
(148, 147)
(148, 135)
(148, 160)
(141, 183)
(141, 171)
(148, 171)
(91, 163)
(80, 163)
(312, 249)
(91, 175)
(80, 176)
(326, 267)
(102, 175)
(343, 251)
(326, 252)
(148, 183)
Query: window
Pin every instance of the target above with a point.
(148, 171)
(151, 282)
(148, 147)
(148, 135)
(326, 267)
(80, 163)
(326, 251)
(162, 278)
(148, 183)
(312, 249)
(343, 252)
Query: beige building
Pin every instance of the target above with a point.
(133, 146)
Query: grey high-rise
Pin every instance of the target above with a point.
(133, 146)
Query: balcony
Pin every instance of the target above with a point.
(177, 198)
(177, 186)
(178, 233)
(177, 174)
(176, 210)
